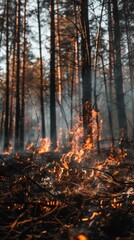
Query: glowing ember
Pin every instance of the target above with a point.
(85, 219)
(94, 215)
(6, 153)
(82, 237)
(45, 145)
(122, 153)
(116, 204)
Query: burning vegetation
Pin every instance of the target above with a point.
(60, 59)
(73, 193)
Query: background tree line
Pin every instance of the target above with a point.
(61, 59)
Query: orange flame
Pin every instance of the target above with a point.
(45, 145)
(30, 146)
(79, 149)
(6, 153)
(94, 215)
(10, 148)
(82, 237)
(116, 204)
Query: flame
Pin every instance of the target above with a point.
(101, 203)
(122, 153)
(45, 145)
(57, 149)
(17, 156)
(82, 237)
(6, 153)
(85, 219)
(116, 204)
(89, 144)
(77, 141)
(94, 215)
(30, 146)
(79, 148)
(10, 148)
(96, 129)
(76, 136)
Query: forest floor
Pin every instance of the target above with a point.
(42, 197)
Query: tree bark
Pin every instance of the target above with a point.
(17, 117)
(118, 74)
(22, 121)
(110, 34)
(6, 137)
(41, 76)
(53, 134)
(126, 11)
(86, 69)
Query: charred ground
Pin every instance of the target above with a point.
(42, 197)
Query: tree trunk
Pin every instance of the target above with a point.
(109, 97)
(41, 76)
(126, 11)
(108, 105)
(110, 53)
(2, 121)
(86, 69)
(17, 117)
(22, 120)
(2, 23)
(13, 69)
(6, 137)
(53, 134)
(59, 77)
(118, 74)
